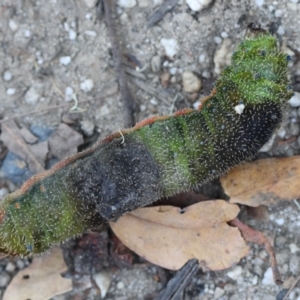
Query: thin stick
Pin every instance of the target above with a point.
(291, 288)
(110, 18)
(254, 236)
(50, 108)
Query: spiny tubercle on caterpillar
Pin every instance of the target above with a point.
(157, 158)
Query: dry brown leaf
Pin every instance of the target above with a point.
(14, 141)
(264, 182)
(169, 236)
(41, 280)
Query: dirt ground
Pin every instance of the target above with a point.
(55, 52)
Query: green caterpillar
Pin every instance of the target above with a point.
(157, 158)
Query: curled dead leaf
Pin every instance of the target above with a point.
(169, 236)
(41, 280)
(264, 182)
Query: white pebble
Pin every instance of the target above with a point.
(87, 127)
(91, 33)
(143, 107)
(10, 91)
(27, 33)
(278, 13)
(32, 96)
(268, 277)
(224, 35)
(197, 5)
(87, 85)
(10, 267)
(218, 40)
(259, 2)
(103, 281)
(281, 30)
(127, 3)
(68, 94)
(294, 248)
(235, 273)
(218, 293)
(153, 101)
(3, 192)
(202, 58)
(72, 34)
(170, 46)
(295, 100)
(279, 222)
(7, 76)
(88, 16)
(13, 25)
(120, 285)
(294, 1)
(66, 26)
(65, 60)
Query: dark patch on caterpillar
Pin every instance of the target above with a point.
(117, 180)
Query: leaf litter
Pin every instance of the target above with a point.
(41, 280)
(170, 236)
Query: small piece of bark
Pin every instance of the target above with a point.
(64, 141)
(179, 282)
(14, 141)
(160, 12)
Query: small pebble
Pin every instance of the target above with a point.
(103, 281)
(197, 5)
(295, 100)
(68, 94)
(268, 277)
(4, 279)
(224, 35)
(27, 33)
(156, 63)
(143, 107)
(10, 91)
(294, 127)
(91, 33)
(218, 40)
(87, 85)
(202, 58)
(90, 3)
(32, 96)
(20, 264)
(280, 241)
(170, 46)
(259, 2)
(278, 13)
(7, 76)
(222, 56)
(235, 273)
(294, 248)
(87, 127)
(218, 293)
(10, 267)
(281, 30)
(72, 34)
(191, 82)
(13, 25)
(279, 221)
(127, 3)
(153, 101)
(294, 264)
(120, 285)
(65, 60)
(3, 192)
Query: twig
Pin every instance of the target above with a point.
(297, 203)
(291, 288)
(159, 13)
(178, 283)
(110, 18)
(50, 108)
(257, 237)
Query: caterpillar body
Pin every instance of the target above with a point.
(157, 158)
